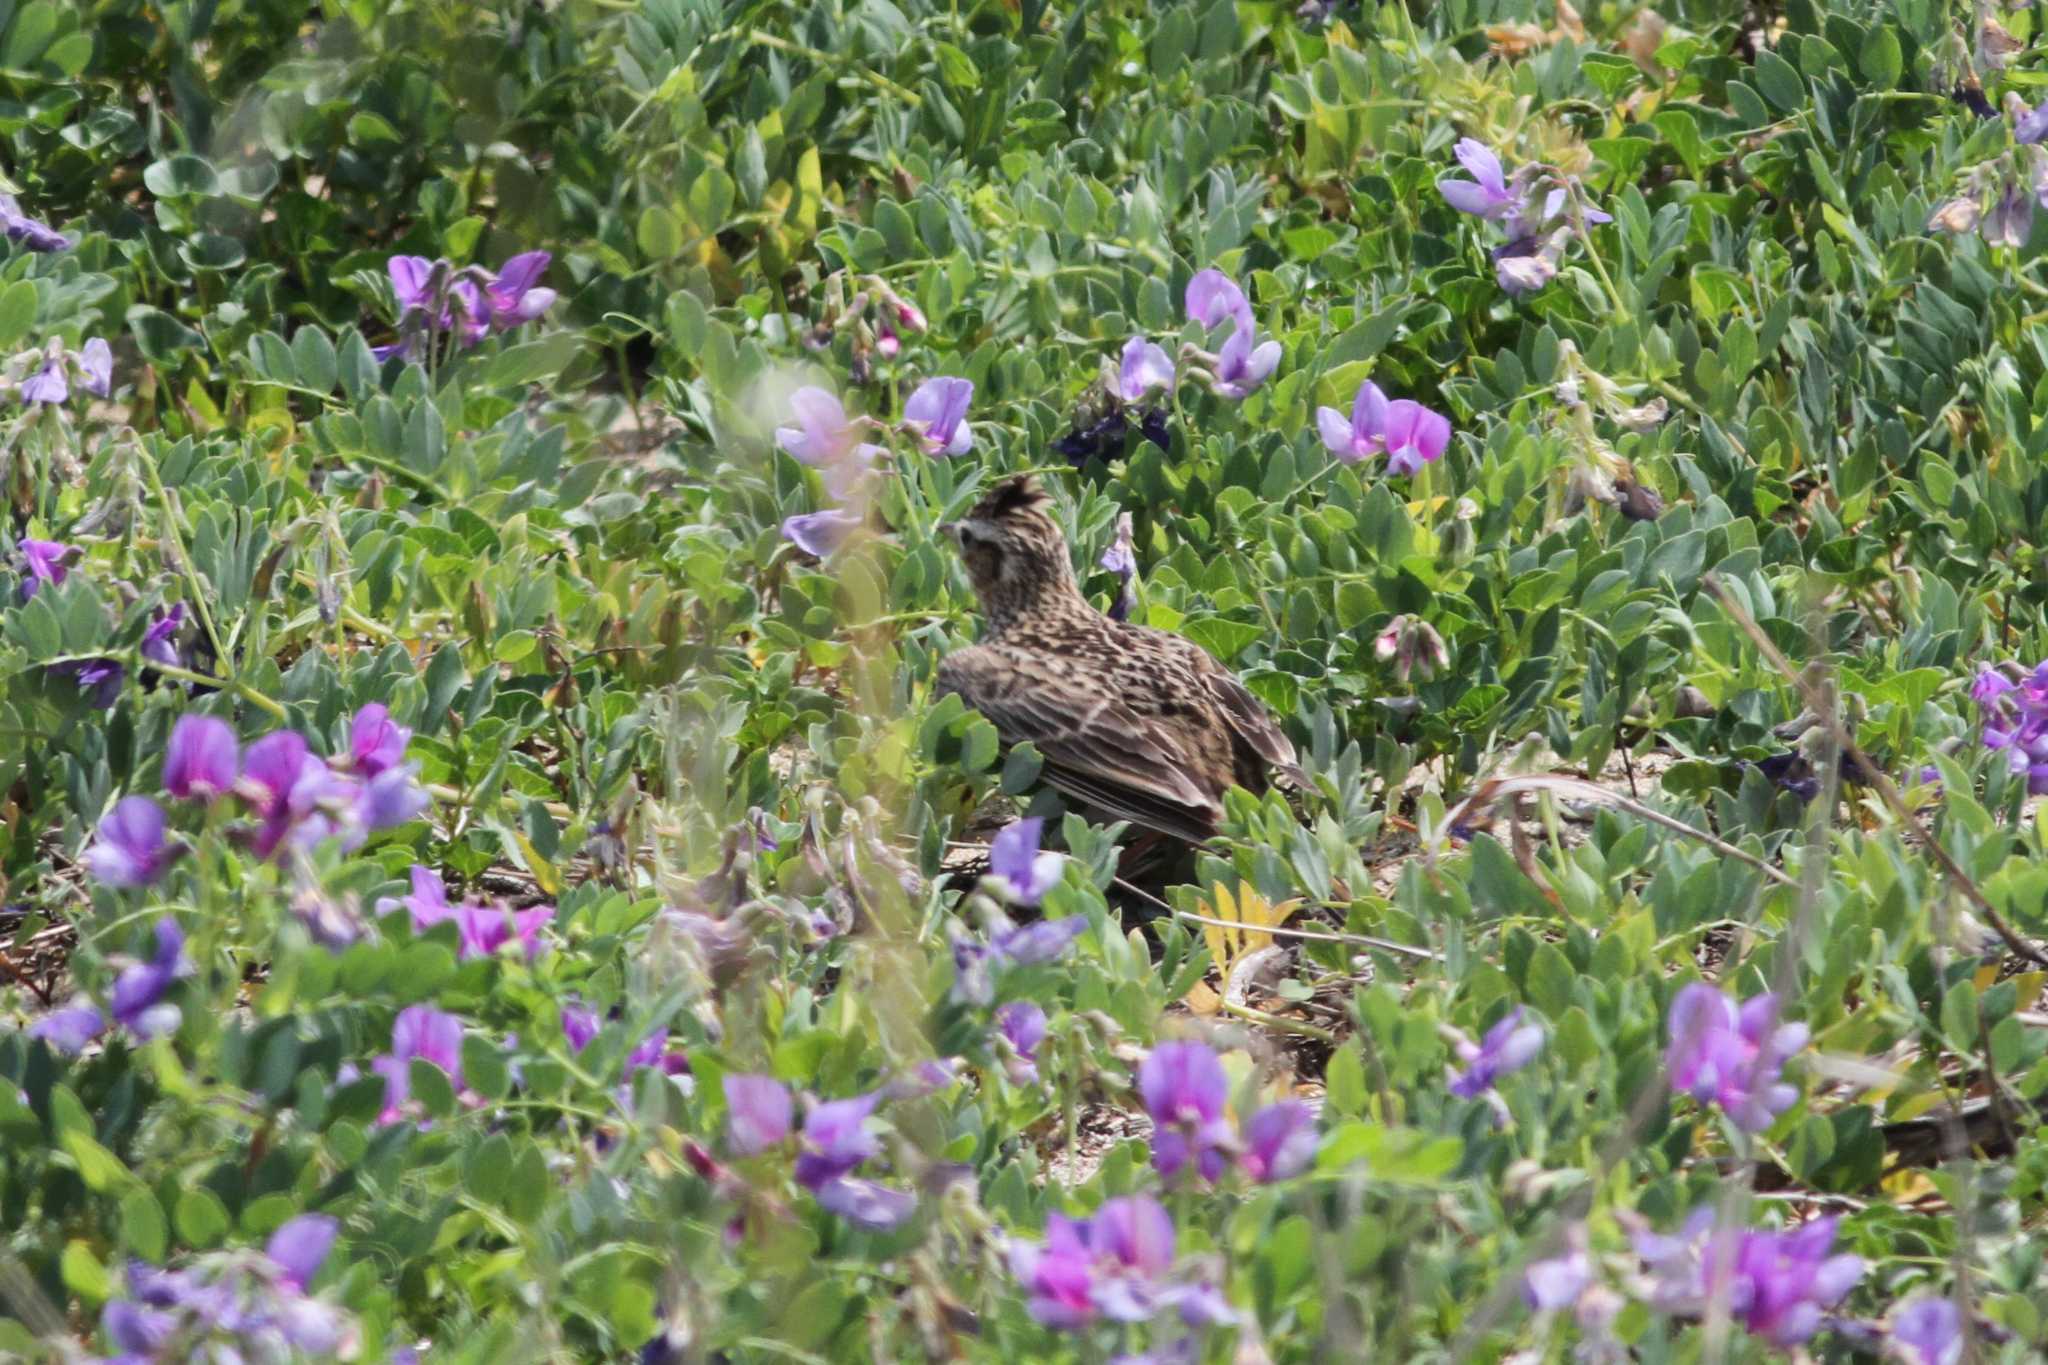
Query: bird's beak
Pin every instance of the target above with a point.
(950, 530)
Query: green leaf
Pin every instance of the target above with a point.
(201, 1218)
(17, 312)
(85, 1276)
(313, 357)
(144, 1226)
(530, 362)
(1779, 82)
(1881, 59)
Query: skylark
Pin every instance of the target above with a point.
(1133, 723)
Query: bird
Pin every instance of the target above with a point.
(1133, 723)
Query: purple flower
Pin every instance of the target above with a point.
(389, 799)
(512, 297)
(2011, 218)
(376, 743)
(96, 367)
(1778, 1285)
(412, 281)
(300, 1245)
(1730, 1057)
(1112, 1265)
(836, 1140)
(757, 1114)
(139, 990)
(866, 1202)
(160, 640)
(937, 413)
(1508, 1046)
(1989, 685)
(1548, 1286)
(1365, 434)
(579, 1023)
(1022, 1025)
(1528, 263)
(2032, 124)
(137, 1328)
(1146, 366)
(1241, 369)
(1415, 436)
(1929, 1327)
(1184, 1089)
(34, 235)
(480, 929)
(1014, 857)
(1280, 1141)
(824, 437)
(47, 385)
(69, 1029)
(1486, 194)
(819, 533)
(424, 1033)
(46, 564)
(99, 680)
(1120, 558)
(131, 850)
(1036, 944)
(1213, 296)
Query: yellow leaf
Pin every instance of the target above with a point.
(549, 880)
(1246, 921)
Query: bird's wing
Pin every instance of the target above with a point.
(1247, 716)
(1096, 749)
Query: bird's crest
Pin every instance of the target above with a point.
(1019, 494)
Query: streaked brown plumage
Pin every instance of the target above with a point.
(1134, 723)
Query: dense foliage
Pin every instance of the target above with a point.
(485, 877)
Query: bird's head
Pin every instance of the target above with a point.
(1014, 553)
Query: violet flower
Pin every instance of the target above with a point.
(1528, 263)
(836, 1142)
(160, 639)
(2015, 719)
(70, 1028)
(1022, 1026)
(2031, 125)
(137, 1002)
(1364, 434)
(1778, 1285)
(819, 533)
(480, 929)
(376, 742)
(46, 564)
(1508, 1046)
(1146, 366)
(1556, 1284)
(937, 414)
(1240, 367)
(130, 849)
(1415, 436)
(1039, 943)
(825, 438)
(31, 233)
(1184, 1088)
(758, 1114)
(1121, 559)
(1733, 1058)
(96, 367)
(2011, 219)
(1280, 1141)
(299, 1246)
(1928, 1329)
(99, 680)
(513, 297)
(424, 1033)
(1213, 296)
(1486, 194)
(1113, 1265)
(580, 1024)
(1014, 858)
(47, 385)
